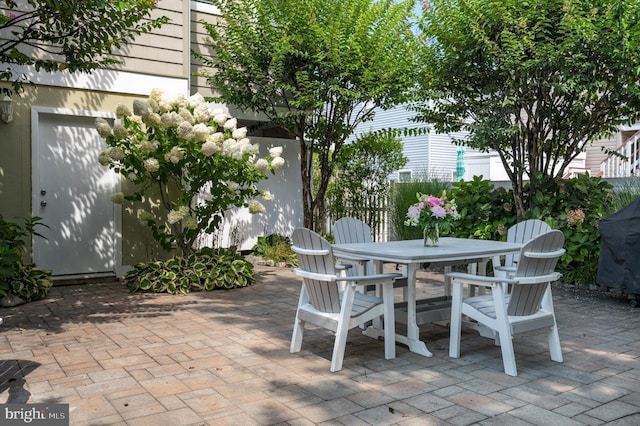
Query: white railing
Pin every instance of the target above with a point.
(626, 163)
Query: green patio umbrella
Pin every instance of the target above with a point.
(460, 163)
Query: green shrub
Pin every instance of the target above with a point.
(205, 269)
(485, 212)
(573, 206)
(16, 277)
(276, 248)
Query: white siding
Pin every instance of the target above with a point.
(429, 155)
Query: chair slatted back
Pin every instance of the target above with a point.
(348, 230)
(523, 232)
(538, 258)
(315, 257)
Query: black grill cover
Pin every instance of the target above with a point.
(619, 264)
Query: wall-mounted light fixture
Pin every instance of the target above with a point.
(6, 109)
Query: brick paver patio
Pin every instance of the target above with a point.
(222, 358)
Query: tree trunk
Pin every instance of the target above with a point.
(306, 172)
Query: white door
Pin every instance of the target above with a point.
(71, 192)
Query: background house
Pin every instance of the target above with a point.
(435, 155)
(49, 163)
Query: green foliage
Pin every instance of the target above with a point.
(361, 170)
(535, 81)
(31, 283)
(573, 206)
(485, 212)
(317, 68)
(70, 35)
(16, 277)
(206, 269)
(276, 248)
(403, 195)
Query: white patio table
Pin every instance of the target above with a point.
(413, 254)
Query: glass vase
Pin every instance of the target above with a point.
(431, 235)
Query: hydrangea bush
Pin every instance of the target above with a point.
(195, 157)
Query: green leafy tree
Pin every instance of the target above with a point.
(316, 68)
(361, 176)
(68, 34)
(535, 81)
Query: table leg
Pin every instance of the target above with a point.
(412, 339)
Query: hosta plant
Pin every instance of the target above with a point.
(206, 269)
(17, 277)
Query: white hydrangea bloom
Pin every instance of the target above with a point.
(140, 107)
(104, 158)
(120, 132)
(209, 148)
(230, 124)
(267, 196)
(151, 165)
(256, 207)
(240, 133)
(185, 130)
(147, 147)
(237, 153)
(152, 119)
(122, 111)
(275, 151)
(154, 105)
(103, 127)
(253, 149)
(156, 95)
(233, 186)
(228, 146)
(201, 131)
(217, 137)
(131, 177)
(201, 113)
(277, 163)
(116, 153)
(195, 101)
(174, 217)
(221, 118)
(187, 116)
(262, 165)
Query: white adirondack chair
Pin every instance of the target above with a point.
(528, 307)
(349, 230)
(324, 303)
(519, 233)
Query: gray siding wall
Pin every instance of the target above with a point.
(165, 51)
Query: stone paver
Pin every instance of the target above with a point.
(222, 358)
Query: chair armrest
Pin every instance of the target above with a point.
(343, 266)
(371, 279)
(544, 255)
(479, 279)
